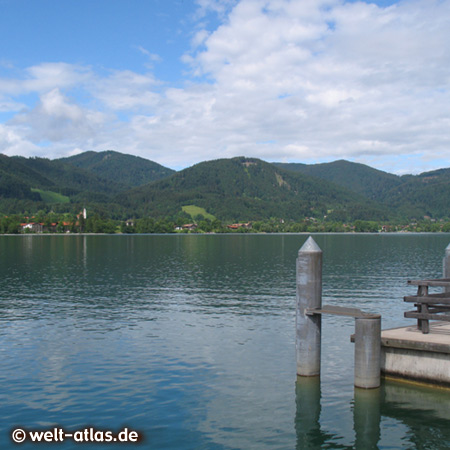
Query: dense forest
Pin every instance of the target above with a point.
(427, 194)
(129, 170)
(249, 189)
(114, 187)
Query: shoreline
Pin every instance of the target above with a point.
(301, 233)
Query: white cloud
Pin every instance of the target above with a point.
(217, 6)
(302, 81)
(44, 77)
(199, 38)
(126, 90)
(55, 119)
(151, 56)
(8, 105)
(12, 143)
(339, 75)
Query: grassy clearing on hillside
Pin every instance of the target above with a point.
(52, 197)
(194, 211)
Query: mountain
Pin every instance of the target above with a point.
(16, 180)
(411, 196)
(28, 184)
(418, 195)
(125, 169)
(77, 184)
(57, 173)
(237, 189)
(359, 178)
(247, 189)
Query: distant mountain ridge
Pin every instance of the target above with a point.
(410, 195)
(20, 178)
(354, 176)
(426, 194)
(126, 169)
(246, 189)
(239, 189)
(89, 178)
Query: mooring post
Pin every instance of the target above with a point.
(309, 296)
(447, 266)
(367, 351)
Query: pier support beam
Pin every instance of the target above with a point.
(367, 351)
(309, 296)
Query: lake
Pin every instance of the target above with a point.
(190, 341)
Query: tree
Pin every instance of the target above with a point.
(205, 225)
(366, 226)
(145, 225)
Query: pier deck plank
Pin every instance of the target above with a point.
(341, 311)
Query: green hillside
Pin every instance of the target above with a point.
(246, 189)
(410, 196)
(14, 188)
(128, 170)
(16, 181)
(68, 178)
(359, 178)
(237, 189)
(425, 194)
(195, 211)
(31, 184)
(51, 197)
(18, 168)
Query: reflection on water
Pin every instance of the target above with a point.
(366, 418)
(422, 412)
(307, 417)
(191, 340)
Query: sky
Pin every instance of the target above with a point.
(184, 81)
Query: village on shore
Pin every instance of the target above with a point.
(80, 223)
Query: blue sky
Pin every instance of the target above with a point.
(103, 33)
(183, 81)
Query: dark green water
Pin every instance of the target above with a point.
(190, 340)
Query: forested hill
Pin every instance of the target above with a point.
(16, 181)
(357, 177)
(55, 174)
(125, 169)
(28, 184)
(248, 189)
(237, 189)
(427, 194)
(31, 184)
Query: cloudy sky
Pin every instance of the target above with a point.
(184, 81)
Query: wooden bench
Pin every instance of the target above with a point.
(429, 306)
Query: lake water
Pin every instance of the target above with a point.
(190, 341)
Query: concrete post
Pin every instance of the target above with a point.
(309, 296)
(367, 351)
(447, 266)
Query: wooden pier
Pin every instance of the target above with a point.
(420, 352)
(309, 325)
(429, 306)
